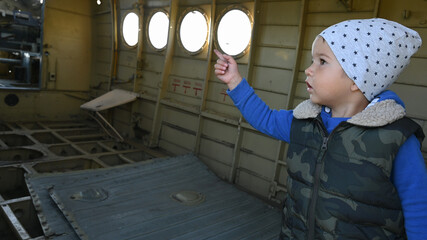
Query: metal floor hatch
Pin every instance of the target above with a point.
(162, 198)
(52, 147)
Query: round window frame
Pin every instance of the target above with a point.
(251, 20)
(121, 29)
(184, 13)
(154, 11)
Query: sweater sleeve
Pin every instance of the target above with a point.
(409, 175)
(275, 123)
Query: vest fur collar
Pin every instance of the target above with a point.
(377, 115)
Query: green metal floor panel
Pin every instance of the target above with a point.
(135, 201)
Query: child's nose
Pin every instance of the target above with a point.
(308, 71)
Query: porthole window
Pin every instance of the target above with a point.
(130, 29)
(193, 31)
(158, 28)
(234, 32)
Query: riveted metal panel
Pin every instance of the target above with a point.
(103, 29)
(69, 41)
(127, 59)
(256, 166)
(127, 4)
(102, 68)
(278, 36)
(32, 106)
(222, 132)
(271, 79)
(80, 7)
(273, 99)
(275, 57)
(414, 97)
(153, 184)
(125, 75)
(211, 148)
(310, 34)
(181, 119)
(150, 79)
(326, 19)
(259, 144)
(280, 12)
(191, 68)
(422, 52)
(253, 183)
(414, 8)
(103, 18)
(228, 111)
(153, 62)
(411, 74)
(218, 168)
(332, 5)
(144, 110)
(103, 55)
(182, 139)
(182, 101)
(217, 92)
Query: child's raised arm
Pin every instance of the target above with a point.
(226, 70)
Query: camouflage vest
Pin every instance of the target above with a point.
(339, 184)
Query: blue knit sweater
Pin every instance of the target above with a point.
(409, 173)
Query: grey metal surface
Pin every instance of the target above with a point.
(135, 201)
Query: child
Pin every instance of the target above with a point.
(355, 169)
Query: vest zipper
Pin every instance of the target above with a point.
(316, 182)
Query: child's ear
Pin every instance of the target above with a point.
(354, 87)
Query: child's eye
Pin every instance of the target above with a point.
(322, 61)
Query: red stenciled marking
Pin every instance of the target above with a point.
(185, 91)
(187, 84)
(196, 90)
(174, 86)
(176, 80)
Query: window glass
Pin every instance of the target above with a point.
(158, 27)
(130, 29)
(234, 32)
(193, 31)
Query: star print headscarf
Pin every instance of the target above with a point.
(372, 52)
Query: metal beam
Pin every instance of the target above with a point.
(196, 149)
(282, 147)
(114, 62)
(377, 8)
(157, 120)
(139, 56)
(238, 143)
(13, 221)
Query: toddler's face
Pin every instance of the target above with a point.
(327, 83)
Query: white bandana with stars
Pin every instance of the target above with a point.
(372, 52)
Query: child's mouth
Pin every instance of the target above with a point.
(309, 86)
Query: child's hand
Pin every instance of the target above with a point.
(226, 70)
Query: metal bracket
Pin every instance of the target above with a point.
(106, 101)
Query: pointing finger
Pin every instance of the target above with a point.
(220, 56)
